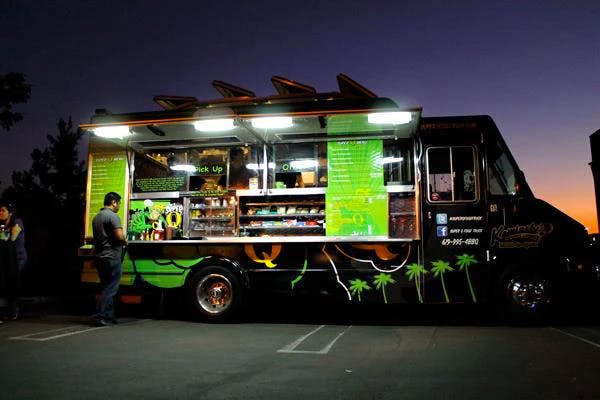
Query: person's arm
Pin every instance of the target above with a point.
(15, 231)
(119, 236)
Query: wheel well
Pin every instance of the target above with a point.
(232, 265)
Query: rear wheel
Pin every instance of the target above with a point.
(215, 294)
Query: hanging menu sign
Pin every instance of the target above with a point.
(356, 199)
(107, 173)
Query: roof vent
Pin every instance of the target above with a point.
(288, 86)
(350, 87)
(175, 102)
(228, 90)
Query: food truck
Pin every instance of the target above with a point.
(341, 194)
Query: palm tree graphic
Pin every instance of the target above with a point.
(414, 272)
(381, 280)
(439, 268)
(463, 262)
(357, 286)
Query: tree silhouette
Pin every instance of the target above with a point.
(414, 272)
(357, 286)
(439, 268)
(14, 89)
(50, 199)
(463, 262)
(381, 281)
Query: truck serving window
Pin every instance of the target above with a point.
(501, 172)
(451, 174)
(200, 168)
(297, 165)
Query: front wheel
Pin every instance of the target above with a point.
(215, 294)
(526, 295)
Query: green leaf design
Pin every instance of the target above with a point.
(414, 272)
(463, 262)
(439, 268)
(357, 286)
(381, 280)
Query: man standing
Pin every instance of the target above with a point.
(109, 240)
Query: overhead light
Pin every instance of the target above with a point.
(303, 164)
(272, 122)
(214, 125)
(256, 167)
(112, 132)
(183, 167)
(392, 118)
(389, 160)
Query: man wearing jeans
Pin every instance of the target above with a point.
(109, 240)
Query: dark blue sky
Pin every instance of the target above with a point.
(532, 65)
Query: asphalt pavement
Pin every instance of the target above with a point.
(346, 353)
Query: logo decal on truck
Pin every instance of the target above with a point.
(520, 236)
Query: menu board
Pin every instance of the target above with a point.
(356, 198)
(107, 173)
(159, 184)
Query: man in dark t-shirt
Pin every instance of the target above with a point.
(109, 240)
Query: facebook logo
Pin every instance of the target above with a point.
(442, 231)
(441, 219)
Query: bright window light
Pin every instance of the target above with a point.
(256, 167)
(183, 167)
(393, 118)
(389, 160)
(112, 132)
(303, 164)
(272, 122)
(214, 125)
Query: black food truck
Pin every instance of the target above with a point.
(342, 194)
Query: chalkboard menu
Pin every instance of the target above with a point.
(356, 198)
(107, 173)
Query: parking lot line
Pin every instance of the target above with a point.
(577, 337)
(291, 348)
(52, 334)
(41, 336)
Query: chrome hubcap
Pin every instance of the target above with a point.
(214, 293)
(529, 294)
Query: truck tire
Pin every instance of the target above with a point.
(525, 295)
(215, 294)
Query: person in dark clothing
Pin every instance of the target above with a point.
(13, 232)
(109, 240)
(239, 174)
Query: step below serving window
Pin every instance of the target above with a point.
(195, 169)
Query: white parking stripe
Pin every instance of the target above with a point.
(41, 336)
(74, 330)
(290, 348)
(577, 337)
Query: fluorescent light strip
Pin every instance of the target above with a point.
(303, 164)
(272, 122)
(393, 118)
(214, 125)
(389, 160)
(184, 167)
(112, 132)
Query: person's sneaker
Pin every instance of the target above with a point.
(103, 322)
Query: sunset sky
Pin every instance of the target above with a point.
(532, 65)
